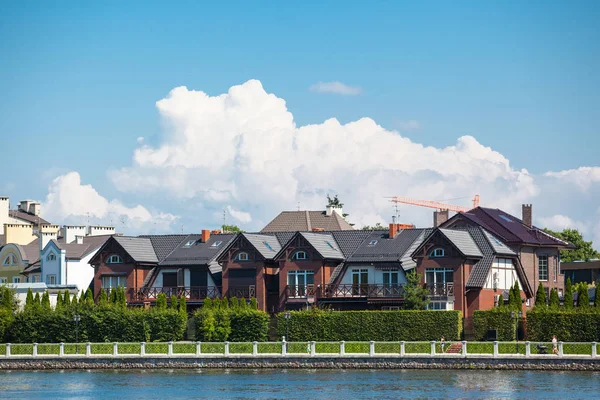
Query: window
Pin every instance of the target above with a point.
(440, 305)
(528, 302)
(543, 268)
(360, 280)
(10, 260)
(216, 244)
(114, 259)
(35, 278)
(504, 217)
(268, 246)
(330, 245)
(243, 256)
(3, 279)
(390, 308)
(299, 255)
(190, 243)
(16, 279)
(390, 278)
(51, 257)
(372, 242)
(555, 268)
(113, 281)
(298, 282)
(440, 281)
(437, 252)
(51, 279)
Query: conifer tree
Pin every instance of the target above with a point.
(518, 304)
(74, 300)
(243, 304)
(224, 303)
(103, 298)
(59, 301)
(67, 299)
(233, 303)
(89, 297)
(82, 297)
(174, 303)
(540, 297)
(596, 295)
(568, 298)
(161, 301)
(253, 303)
(554, 300)
(46, 302)
(113, 296)
(37, 302)
(583, 297)
(183, 306)
(208, 303)
(29, 300)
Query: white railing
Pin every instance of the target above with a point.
(429, 349)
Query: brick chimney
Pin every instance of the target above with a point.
(527, 215)
(205, 235)
(393, 230)
(439, 217)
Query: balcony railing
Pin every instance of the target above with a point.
(244, 292)
(300, 291)
(190, 293)
(346, 291)
(440, 289)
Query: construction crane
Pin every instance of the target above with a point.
(435, 204)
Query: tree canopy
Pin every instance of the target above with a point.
(376, 227)
(415, 294)
(584, 250)
(231, 228)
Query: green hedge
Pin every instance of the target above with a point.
(568, 326)
(494, 319)
(322, 325)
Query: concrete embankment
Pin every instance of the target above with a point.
(75, 362)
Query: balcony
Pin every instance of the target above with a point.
(301, 291)
(346, 291)
(190, 293)
(243, 292)
(440, 289)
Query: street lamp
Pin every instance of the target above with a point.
(76, 318)
(287, 315)
(518, 316)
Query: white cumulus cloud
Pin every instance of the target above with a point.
(70, 201)
(241, 216)
(583, 177)
(335, 87)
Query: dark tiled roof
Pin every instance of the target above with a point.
(463, 241)
(306, 221)
(510, 228)
(577, 265)
(25, 216)
(349, 241)
(325, 244)
(198, 253)
(384, 249)
(267, 245)
(481, 269)
(164, 244)
(283, 237)
(139, 248)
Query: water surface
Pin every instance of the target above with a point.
(299, 384)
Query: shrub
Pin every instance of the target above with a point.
(161, 301)
(496, 318)
(249, 325)
(540, 297)
(568, 326)
(217, 324)
(322, 325)
(583, 297)
(554, 300)
(568, 298)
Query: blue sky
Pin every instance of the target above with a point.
(79, 81)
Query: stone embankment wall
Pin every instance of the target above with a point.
(546, 363)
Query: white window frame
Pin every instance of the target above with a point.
(35, 278)
(114, 281)
(540, 258)
(300, 288)
(3, 280)
(437, 252)
(390, 308)
(296, 257)
(242, 256)
(51, 279)
(114, 259)
(16, 279)
(51, 257)
(439, 306)
(10, 260)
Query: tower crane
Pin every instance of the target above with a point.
(435, 204)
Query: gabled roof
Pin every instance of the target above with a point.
(509, 228)
(77, 251)
(378, 247)
(306, 221)
(198, 253)
(324, 244)
(267, 245)
(463, 241)
(406, 260)
(25, 216)
(138, 248)
(165, 244)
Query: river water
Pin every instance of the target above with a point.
(299, 384)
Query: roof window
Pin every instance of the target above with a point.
(190, 243)
(330, 245)
(216, 244)
(372, 242)
(268, 246)
(504, 217)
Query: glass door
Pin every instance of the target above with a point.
(360, 279)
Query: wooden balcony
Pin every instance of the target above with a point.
(346, 291)
(440, 289)
(243, 292)
(193, 293)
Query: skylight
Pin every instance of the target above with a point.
(268, 246)
(190, 243)
(216, 244)
(372, 242)
(504, 217)
(330, 245)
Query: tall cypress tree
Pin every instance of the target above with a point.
(89, 297)
(59, 301)
(540, 297)
(103, 298)
(161, 301)
(183, 306)
(46, 302)
(554, 300)
(113, 296)
(67, 299)
(174, 303)
(208, 303)
(568, 298)
(29, 300)
(596, 295)
(36, 302)
(583, 297)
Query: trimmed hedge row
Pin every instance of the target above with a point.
(495, 318)
(322, 325)
(97, 324)
(568, 326)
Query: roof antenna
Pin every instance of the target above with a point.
(298, 206)
(224, 218)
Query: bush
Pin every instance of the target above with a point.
(496, 318)
(411, 325)
(249, 325)
(568, 326)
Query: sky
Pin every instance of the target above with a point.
(156, 117)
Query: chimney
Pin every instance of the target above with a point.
(393, 230)
(79, 239)
(318, 229)
(527, 215)
(46, 237)
(331, 209)
(18, 234)
(99, 230)
(70, 232)
(25, 204)
(205, 235)
(439, 217)
(34, 209)
(3, 213)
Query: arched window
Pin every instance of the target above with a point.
(437, 252)
(51, 257)
(10, 260)
(114, 259)
(242, 256)
(299, 255)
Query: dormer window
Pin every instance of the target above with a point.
(299, 255)
(190, 243)
(437, 252)
(114, 259)
(216, 244)
(51, 257)
(372, 242)
(10, 260)
(243, 256)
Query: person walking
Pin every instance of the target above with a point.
(442, 343)
(554, 345)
